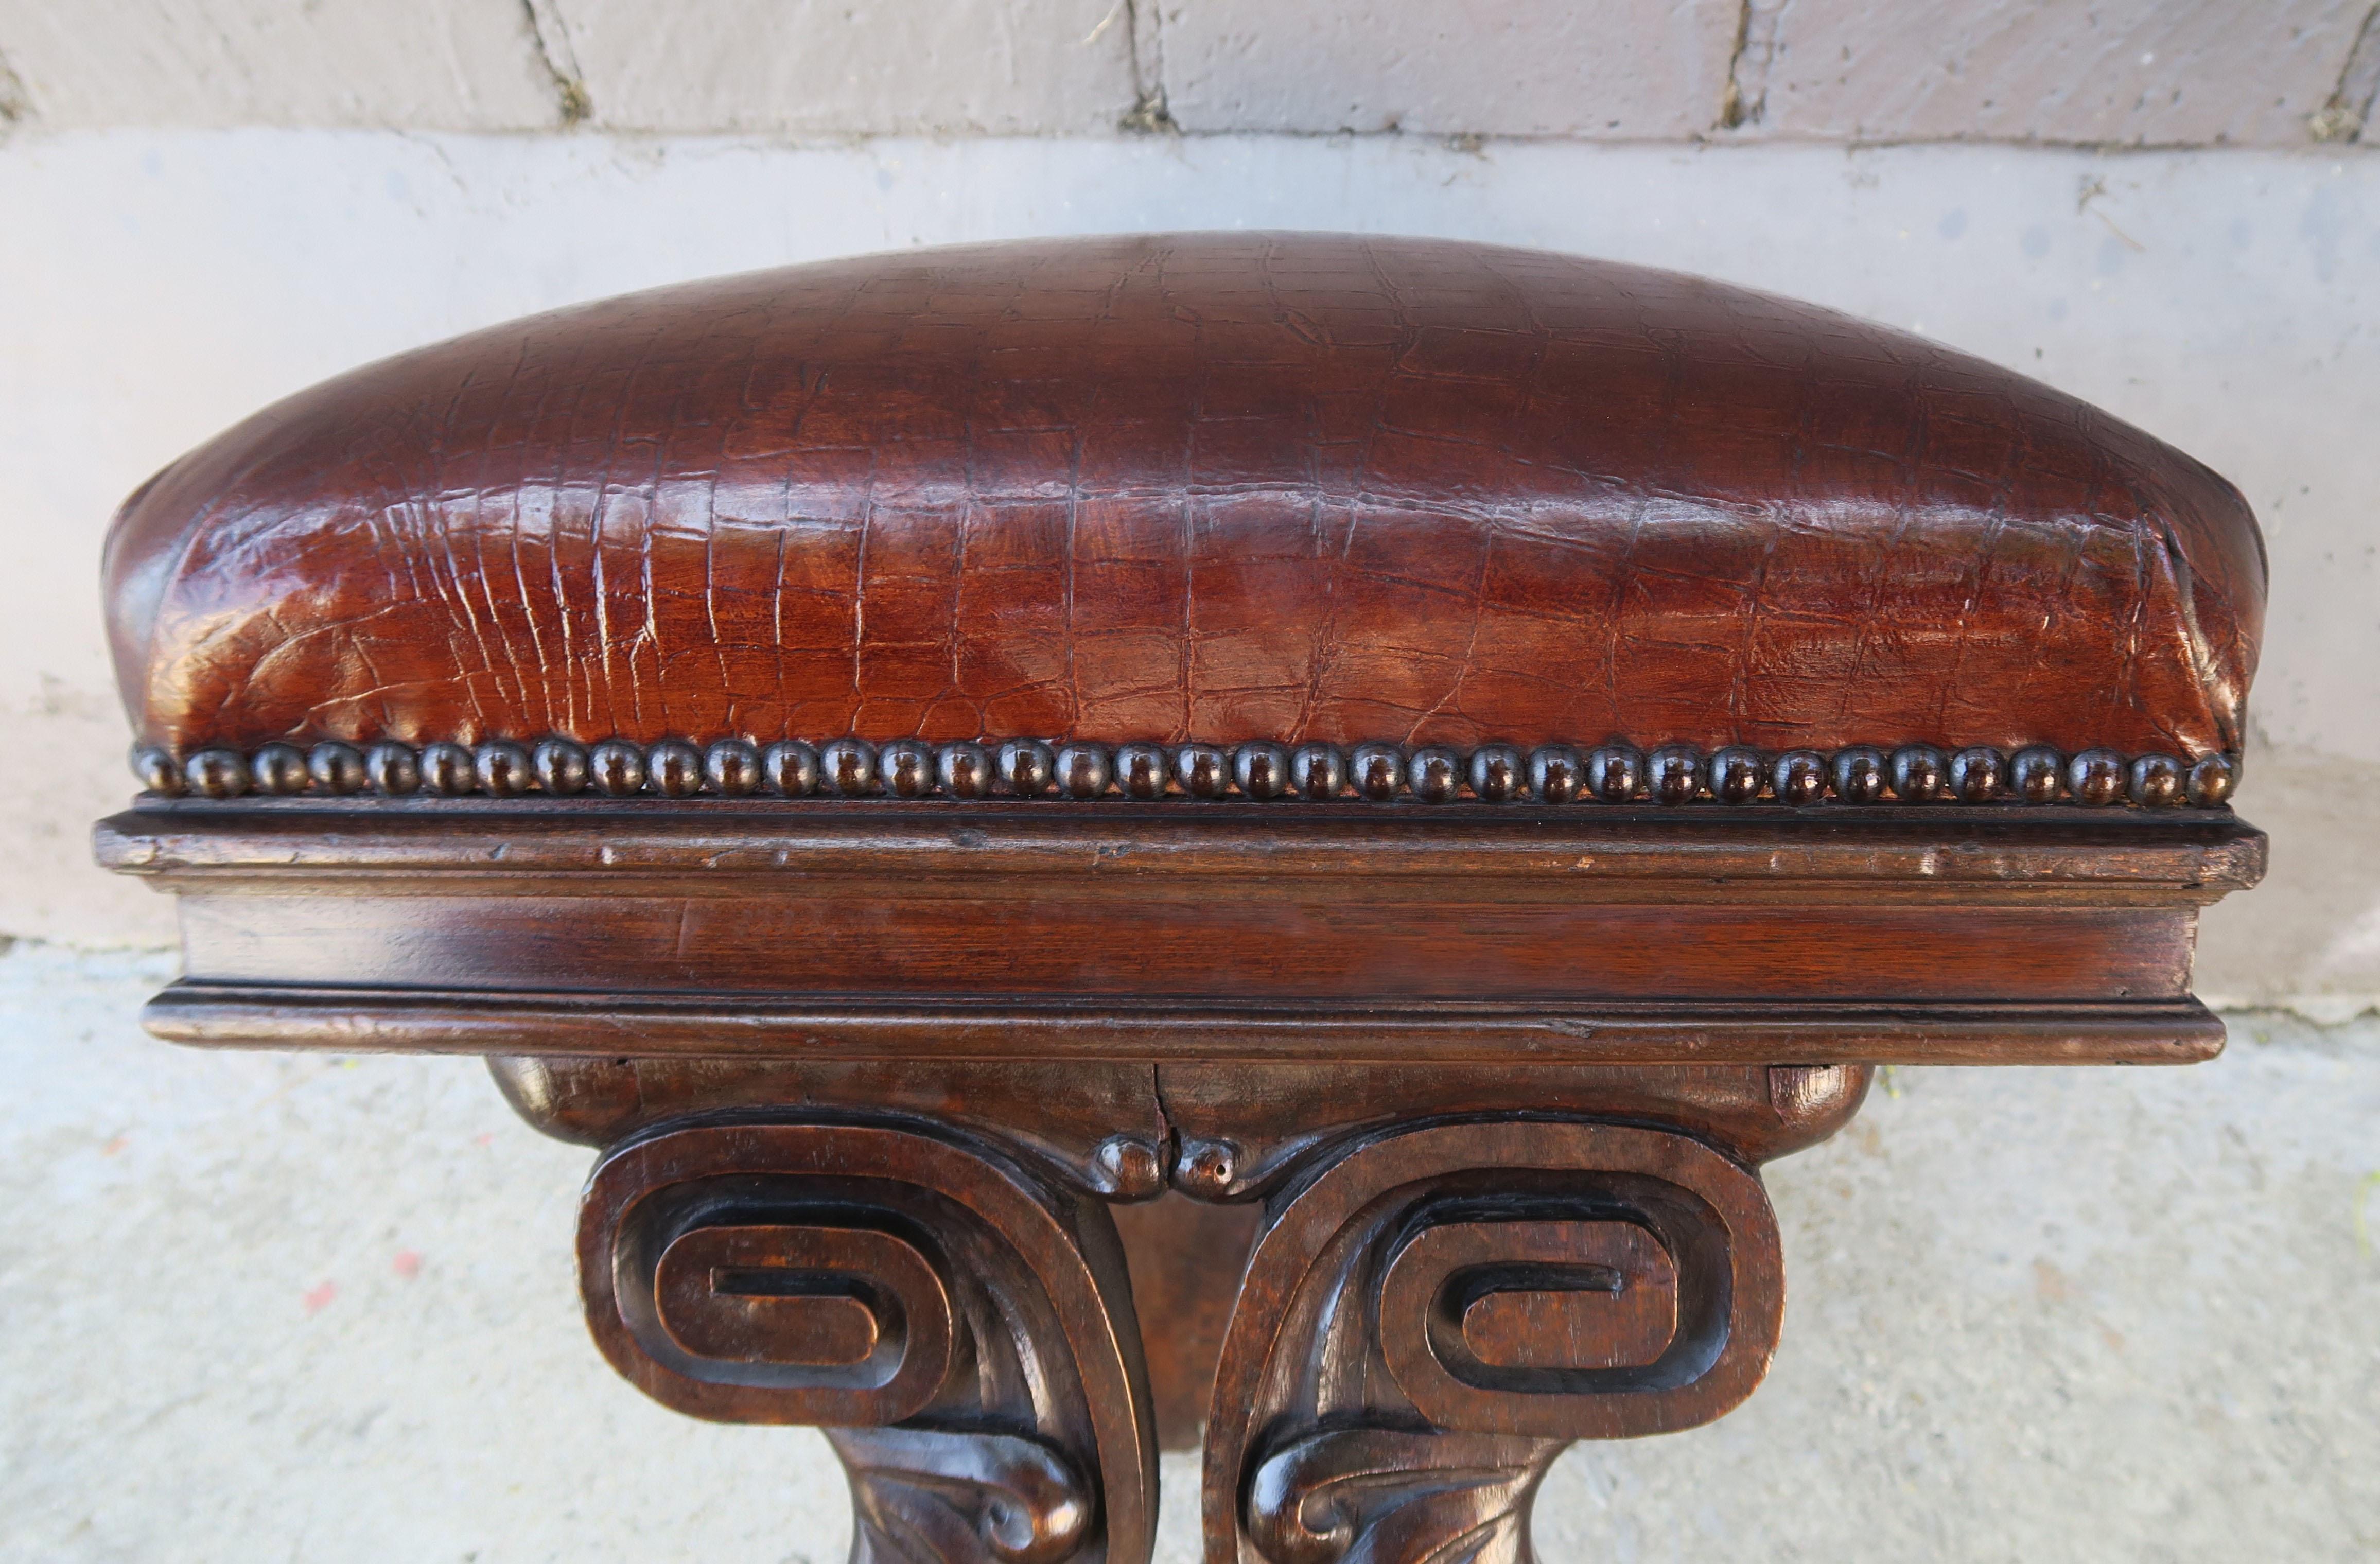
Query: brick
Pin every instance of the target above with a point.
(460, 65)
(2120, 72)
(832, 68)
(1627, 70)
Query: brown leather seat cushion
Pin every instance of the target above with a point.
(1210, 487)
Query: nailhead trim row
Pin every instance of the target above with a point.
(1495, 773)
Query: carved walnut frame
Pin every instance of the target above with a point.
(1392, 1147)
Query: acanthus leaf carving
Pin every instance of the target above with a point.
(1390, 1496)
(931, 1495)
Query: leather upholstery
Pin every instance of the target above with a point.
(1213, 487)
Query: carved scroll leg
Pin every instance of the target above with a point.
(961, 1324)
(1429, 1319)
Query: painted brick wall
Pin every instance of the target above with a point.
(2278, 73)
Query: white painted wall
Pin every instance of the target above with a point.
(161, 284)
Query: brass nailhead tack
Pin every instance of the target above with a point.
(1673, 775)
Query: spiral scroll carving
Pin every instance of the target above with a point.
(1429, 1318)
(959, 1323)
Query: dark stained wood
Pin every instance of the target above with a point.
(805, 1296)
(1262, 945)
(948, 846)
(1179, 933)
(1185, 1258)
(363, 1020)
(1269, 1121)
(1266, 1117)
(1070, 1115)
(1108, 1003)
(1006, 1344)
(1350, 1413)
(434, 1021)
(1548, 1295)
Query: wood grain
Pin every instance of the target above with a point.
(1007, 1363)
(818, 931)
(1350, 1418)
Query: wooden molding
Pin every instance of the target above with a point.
(826, 929)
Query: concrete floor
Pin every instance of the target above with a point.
(264, 1307)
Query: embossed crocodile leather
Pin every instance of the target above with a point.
(1192, 487)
